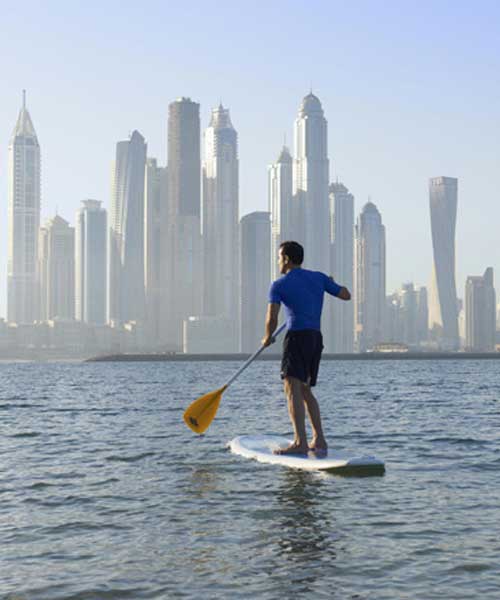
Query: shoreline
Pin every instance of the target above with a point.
(242, 357)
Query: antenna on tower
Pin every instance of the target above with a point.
(24, 99)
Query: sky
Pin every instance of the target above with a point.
(410, 89)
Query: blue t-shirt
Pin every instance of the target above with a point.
(301, 292)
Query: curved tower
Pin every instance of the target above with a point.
(443, 309)
(310, 183)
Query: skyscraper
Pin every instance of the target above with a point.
(220, 218)
(184, 229)
(370, 278)
(255, 277)
(480, 302)
(23, 220)
(443, 311)
(57, 270)
(409, 314)
(310, 183)
(155, 250)
(280, 194)
(90, 263)
(126, 301)
(422, 315)
(340, 329)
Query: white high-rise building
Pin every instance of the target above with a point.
(155, 251)
(184, 272)
(480, 302)
(220, 219)
(23, 220)
(57, 270)
(255, 278)
(340, 330)
(280, 194)
(369, 291)
(90, 263)
(443, 309)
(126, 300)
(310, 183)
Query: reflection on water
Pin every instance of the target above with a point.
(305, 526)
(204, 480)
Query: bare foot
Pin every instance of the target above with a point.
(292, 450)
(318, 446)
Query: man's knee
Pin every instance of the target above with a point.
(292, 384)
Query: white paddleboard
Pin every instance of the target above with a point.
(261, 448)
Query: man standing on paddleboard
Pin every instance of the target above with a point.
(301, 291)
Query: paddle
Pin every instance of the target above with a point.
(201, 412)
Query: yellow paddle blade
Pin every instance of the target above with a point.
(201, 412)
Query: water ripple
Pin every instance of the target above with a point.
(106, 494)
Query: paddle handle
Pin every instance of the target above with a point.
(253, 357)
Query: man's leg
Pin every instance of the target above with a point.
(318, 441)
(296, 409)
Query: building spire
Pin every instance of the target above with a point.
(24, 125)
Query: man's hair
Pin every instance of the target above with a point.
(294, 251)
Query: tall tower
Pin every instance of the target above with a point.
(57, 270)
(255, 277)
(23, 220)
(443, 306)
(370, 278)
(310, 183)
(90, 263)
(280, 194)
(422, 315)
(220, 217)
(184, 233)
(126, 300)
(480, 302)
(155, 251)
(341, 338)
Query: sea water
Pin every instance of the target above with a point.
(104, 492)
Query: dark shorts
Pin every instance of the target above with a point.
(301, 355)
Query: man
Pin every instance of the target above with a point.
(301, 291)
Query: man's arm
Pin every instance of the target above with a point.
(333, 288)
(271, 323)
(344, 294)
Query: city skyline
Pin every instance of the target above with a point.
(394, 120)
(173, 268)
(108, 201)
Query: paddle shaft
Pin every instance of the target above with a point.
(253, 357)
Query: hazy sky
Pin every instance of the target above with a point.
(411, 90)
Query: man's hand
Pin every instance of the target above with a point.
(267, 341)
(344, 294)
